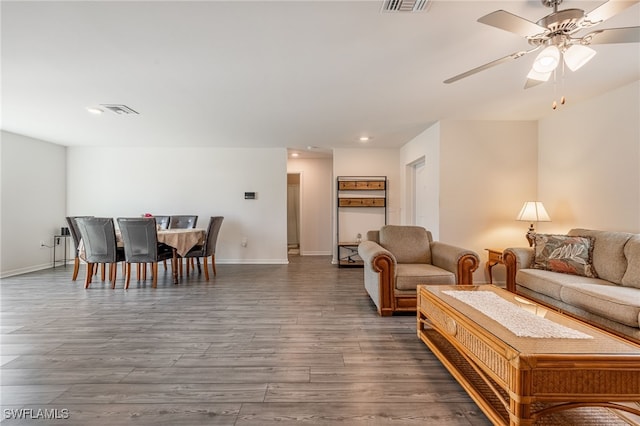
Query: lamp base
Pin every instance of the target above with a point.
(531, 235)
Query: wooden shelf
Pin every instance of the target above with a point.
(362, 185)
(361, 202)
(359, 192)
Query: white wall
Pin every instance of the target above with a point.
(316, 207)
(33, 202)
(425, 146)
(589, 170)
(368, 162)
(119, 182)
(480, 173)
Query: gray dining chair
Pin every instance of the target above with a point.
(208, 248)
(140, 238)
(75, 236)
(162, 222)
(183, 221)
(99, 240)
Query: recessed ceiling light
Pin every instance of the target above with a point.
(365, 138)
(295, 154)
(94, 110)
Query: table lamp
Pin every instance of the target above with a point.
(533, 211)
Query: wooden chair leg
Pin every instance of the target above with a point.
(87, 280)
(127, 276)
(154, 271)
(144, 271)
(103, 271)
(113, 272)
(206, 268)
(213, 264)
(76, 268)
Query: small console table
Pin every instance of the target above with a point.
(65, 256)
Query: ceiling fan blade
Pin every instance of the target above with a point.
(512, 23)
(607, 10)
(613, 35)
(515, 55)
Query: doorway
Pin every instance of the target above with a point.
(293, 214)
(417, 193)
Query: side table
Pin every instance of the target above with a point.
(495, 258)
(56, 242)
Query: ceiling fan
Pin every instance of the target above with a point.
(555, 34)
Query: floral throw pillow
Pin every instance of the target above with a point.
(562, 253)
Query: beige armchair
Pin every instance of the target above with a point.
(398, 258)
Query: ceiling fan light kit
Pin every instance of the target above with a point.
(558, 32)
(577, 55)
(547, 60)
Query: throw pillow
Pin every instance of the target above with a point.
(563, 253)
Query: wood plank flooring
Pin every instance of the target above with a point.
(257, 345)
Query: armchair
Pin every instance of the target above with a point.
(398, 258)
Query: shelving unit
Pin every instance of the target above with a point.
(361, 206)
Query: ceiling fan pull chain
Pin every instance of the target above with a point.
(554, 105)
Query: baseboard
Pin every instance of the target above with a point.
(25, 270)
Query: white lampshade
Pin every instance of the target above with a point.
(539, 76)
(577, 55)
(547, 60)
(533, 211)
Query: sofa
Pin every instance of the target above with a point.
(589, 274)
(398, 258)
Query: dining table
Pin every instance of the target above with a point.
(181, 240)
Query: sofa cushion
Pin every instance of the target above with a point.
(409, 244)
(549, 283)
(562, 253)
(608, 252)
(409, 275)
(617, 303)
(631, 277)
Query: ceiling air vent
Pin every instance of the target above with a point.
(119, 109)
(404, 5)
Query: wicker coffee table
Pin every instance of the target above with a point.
(518, 380)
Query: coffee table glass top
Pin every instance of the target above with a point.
(595, 341)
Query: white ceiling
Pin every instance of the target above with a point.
(275, 73)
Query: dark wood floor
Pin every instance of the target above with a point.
(257, 345)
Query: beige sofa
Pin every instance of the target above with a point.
(610, 299)
(398, 258)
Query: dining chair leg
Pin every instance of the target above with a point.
(154, 271)
(127, 275)
(113, 272)
(144, 271)
(103, 271)
(76, 268)
(213, 264)
(206, 268)
(87, 280)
